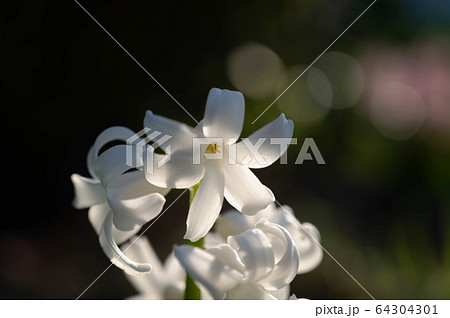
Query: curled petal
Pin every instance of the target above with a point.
(181, 134)
(172, 171)
(140, 250)
(205, 207)
(305, 235)
(311, 252)
(88, 192)
(228, 256)
(97, 214)
(255, 252)
(283, 216)
(134, 200)
(116, 256)
(130, 214)
(266, 149)
(207, 270)
(224, 114)
(110, 134)
(111, 164)
(133, 184)
(244, 191)
(286, 268)
(270, 213)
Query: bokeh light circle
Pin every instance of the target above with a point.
(345, 76)
(309, 99)
(255, 70)
(397, 110)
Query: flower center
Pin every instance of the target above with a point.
(212, 148)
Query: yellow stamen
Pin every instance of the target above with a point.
(212, 148)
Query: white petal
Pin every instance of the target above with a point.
(134, 184)
(175, 278)
(175, 292)
(199, 129)
(205, 293)
(224, 114)
(270, 150)
(175, 273)
(244, 191)
(178, 172)
(114, 253)
(249, 292)
(283, 216)
(285, 269)
(97, 215)
(207, 270)
(134, 200)
(110, 134)
(206, 206)
(181, 134)
(140, 250)
(282, 293)
(232, 223)
(308, 245)
(149, 296)
(212, 239)
(132, 213)
(111, 164)
(311, 253)
(88, 192)
(256, 254)
(228, 256)
(270, 213)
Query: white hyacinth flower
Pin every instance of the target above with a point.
(305, 235)
(223, 121)
(119, 203)
(246, 267)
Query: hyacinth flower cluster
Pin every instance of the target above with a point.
(252, 252)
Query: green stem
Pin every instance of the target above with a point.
(192, 292)
(193, 192)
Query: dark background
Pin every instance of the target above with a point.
(381, 202)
